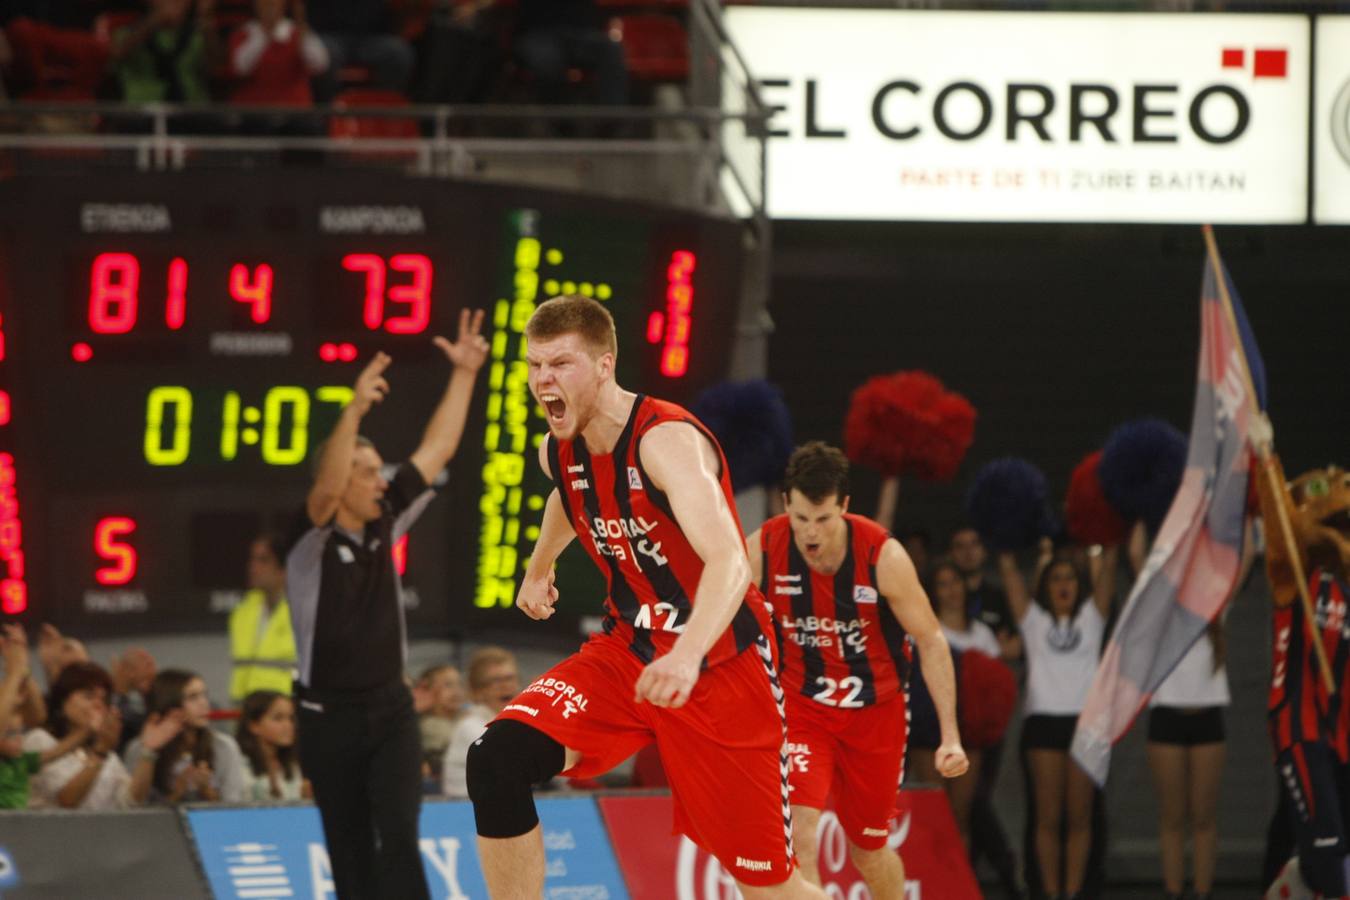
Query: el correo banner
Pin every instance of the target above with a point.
(1331, 122)
(1017, 117)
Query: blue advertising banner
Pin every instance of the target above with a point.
(277, 853)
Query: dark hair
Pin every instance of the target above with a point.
(1043, 583)
(819, 471)
(276, 545)
(574, 314)
(256, 705)
(166, 694)
(77, 676)
(945, 564)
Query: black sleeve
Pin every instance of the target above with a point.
(405, 487)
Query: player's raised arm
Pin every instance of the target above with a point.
(682, 463)
(335, 465)
(446, 426)
(899, 584)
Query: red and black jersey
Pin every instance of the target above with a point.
(839, 642)
(1300, 709)
(627, 526)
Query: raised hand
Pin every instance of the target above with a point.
(159, 730)
(537, 596)
(370, 387)
(14, 650)
(470, 349)
(108, 732)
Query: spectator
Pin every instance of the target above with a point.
(56, 651)
(169, 55)
(1063, 625)
(199, 763)
(964, 634)
(16, 765)
(444, 703)
(557, 35)
(266, 737)
(90, 777)
(132, 674)
(457, 53)
(262, 643)
(987, 602)
(361, 32)
(918, 543)
(963, 631)
(493, 681)
(272, 58)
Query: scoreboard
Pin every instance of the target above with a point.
(174, 347)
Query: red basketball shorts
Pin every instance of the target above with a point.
(723, 751)
(857, 753)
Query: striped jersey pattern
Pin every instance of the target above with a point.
(1299, 709)
(626, 525)
(840, 644)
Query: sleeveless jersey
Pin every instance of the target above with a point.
(839, 642)
(627, 526)
(1300, 709)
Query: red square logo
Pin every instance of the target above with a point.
(1234, 58)
(1271, 63)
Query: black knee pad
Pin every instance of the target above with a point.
(503, 765)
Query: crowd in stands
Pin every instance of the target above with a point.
(294, 53)
(134, 734)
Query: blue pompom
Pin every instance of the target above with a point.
(1009, 504)
(1142, 464)
(752, 423)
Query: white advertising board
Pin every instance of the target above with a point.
(1331, 121)
(992, 116)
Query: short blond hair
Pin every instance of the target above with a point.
(483, 659)
(574, 314)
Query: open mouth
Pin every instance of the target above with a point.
(1339, 521)
(812, 548)
(554, 406)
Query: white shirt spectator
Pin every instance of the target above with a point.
(258, 788)
(111, 789)
(227, 766)
(1194, 682)
(468, 728)
(977, 636)
(1061, 658)
(255, 41)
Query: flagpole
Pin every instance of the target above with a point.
(1267, 468)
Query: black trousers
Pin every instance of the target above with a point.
(362, 753)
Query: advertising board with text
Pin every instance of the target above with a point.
(994, 116)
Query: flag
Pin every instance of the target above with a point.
(1193, 565)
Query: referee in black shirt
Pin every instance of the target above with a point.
(359, 741)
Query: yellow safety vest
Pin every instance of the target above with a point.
(266, 663)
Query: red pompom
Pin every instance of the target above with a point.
(986, 696)
(1090, 517)
(907, 423)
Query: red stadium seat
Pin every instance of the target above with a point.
(371, 126)
(656, 46)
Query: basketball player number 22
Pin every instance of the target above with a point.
(852, 684)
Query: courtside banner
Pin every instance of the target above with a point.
(1331, 122)
(657, 864)
(61, 855)
(1019, 117)
(261, 853)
